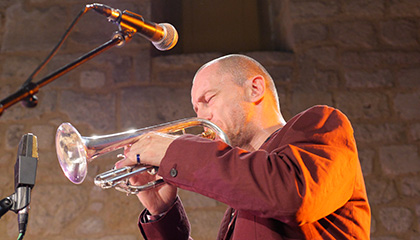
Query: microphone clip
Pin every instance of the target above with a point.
(15, 201)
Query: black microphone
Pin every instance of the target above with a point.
(25, 174)
(163, 36)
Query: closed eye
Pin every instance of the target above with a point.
(210, 98)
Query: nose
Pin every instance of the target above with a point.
(204, 112)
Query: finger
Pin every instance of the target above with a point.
(127, 149)
(123, 162)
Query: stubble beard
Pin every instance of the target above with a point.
(241, 134)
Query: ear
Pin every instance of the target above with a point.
(257, 89)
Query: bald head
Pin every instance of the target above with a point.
(242, 68)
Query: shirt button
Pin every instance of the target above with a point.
(173, 172)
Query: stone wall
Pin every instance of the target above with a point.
(361, 56)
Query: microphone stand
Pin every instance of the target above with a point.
(28, 90)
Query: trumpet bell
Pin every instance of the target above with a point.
(71, 153)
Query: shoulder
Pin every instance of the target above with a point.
(318, 124)
(320, 116)
(322, 111)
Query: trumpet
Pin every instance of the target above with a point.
(74, 152)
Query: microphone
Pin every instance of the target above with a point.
(25, 174)
(163, 36)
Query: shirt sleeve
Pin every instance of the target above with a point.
(304, 172)
(173, 225)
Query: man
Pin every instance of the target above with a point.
(300, 180)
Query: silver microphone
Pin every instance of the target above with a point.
(163, 36)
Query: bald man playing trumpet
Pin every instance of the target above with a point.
(296, 180)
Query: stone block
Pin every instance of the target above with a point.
(18, 68)
(312, 79)
(310, 32)
(25, 28)
(90, 225)
(183, 60)
(205, 223)
(141, 68)
(13, 136)
(378, 59)
(396, 219)
(2, 139)
(5, 89)
(320, 56)
(92, 79)
(313, 9)
(127, 64)
(366, 157)
(354, 34)
(396, 160)
(363, 105)
(5, 159)
(407, 105)
(96, 110)
(409, 77)
(273, 58)
(372, 225)
(96, 207)
(284, 102)
(386, 238)
(410, 186)
(98, 194)
(415, 131)
(364, 8)
(417, 210)
(368, 79)
(49, 171)
(45, 135)
(380, 191)
(406, 8)
(179, 77)
(54, 207)
(195, 200)
(7, 174)
(399, 32)
(379, 133)
(301, 100)
(120, 237)
(280, 74)
(147, 106)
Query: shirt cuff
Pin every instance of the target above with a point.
(151, 218)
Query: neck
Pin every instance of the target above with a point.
(260, 138)
(262, 131)
(266, 120)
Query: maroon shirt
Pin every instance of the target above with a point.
(305, 182)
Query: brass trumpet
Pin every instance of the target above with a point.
(74, 152)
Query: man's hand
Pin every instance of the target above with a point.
(151, 148)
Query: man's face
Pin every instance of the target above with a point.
(217, 98)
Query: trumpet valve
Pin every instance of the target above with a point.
(208, 133)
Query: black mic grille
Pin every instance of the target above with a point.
(27, 160)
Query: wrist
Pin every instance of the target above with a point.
(161, 210)
(154, 217)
